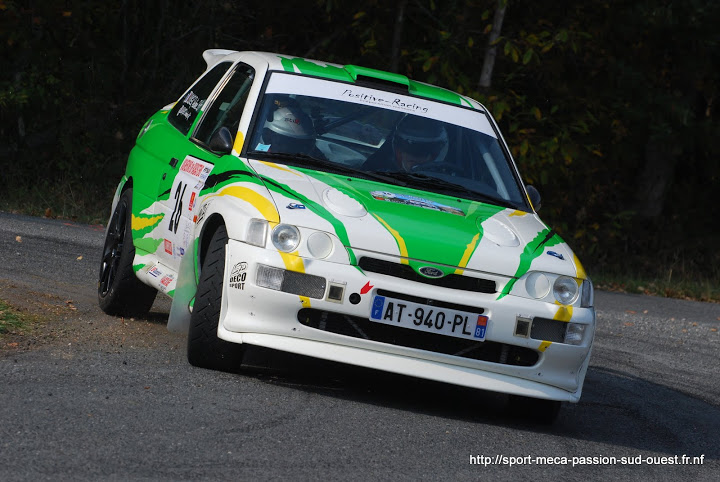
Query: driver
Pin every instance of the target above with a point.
(290, 131)
(418, 141)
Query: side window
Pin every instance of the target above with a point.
(189, 107)
(227, 108)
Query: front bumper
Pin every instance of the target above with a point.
(340, 330)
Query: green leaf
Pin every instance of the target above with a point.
(528, 56)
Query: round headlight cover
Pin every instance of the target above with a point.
(285, 237)
(565, 290)
(537, 285)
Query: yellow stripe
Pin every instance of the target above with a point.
(398, 238)
(564, 313)
(142, 223)
(579, 267)
(237, 145)
(266, 208)
(543, 346)
(466, 255)
(293, 262)
(273, 165)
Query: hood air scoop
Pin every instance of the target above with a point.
(340, 203)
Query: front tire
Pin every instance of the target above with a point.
(204, 348)
(120, 292)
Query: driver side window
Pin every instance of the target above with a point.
(227, 107)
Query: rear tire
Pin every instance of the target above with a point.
(120, 292)
(204, 348)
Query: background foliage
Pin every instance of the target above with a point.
(610, 106)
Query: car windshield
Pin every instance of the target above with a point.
(374, 134)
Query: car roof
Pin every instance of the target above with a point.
(345, 73)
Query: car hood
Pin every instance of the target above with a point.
(420, 227)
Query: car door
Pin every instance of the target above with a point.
(188, 171)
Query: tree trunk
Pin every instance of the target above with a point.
(491, 52)
(397, 36)
(656, 179)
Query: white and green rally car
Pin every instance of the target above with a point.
(347, 214)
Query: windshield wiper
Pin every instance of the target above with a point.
(310, 161)
(447, 187)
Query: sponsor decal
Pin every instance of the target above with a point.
(201, 214)
(431, 272)
(386, 100)
(196, 168)
(415, 201)
(166, 280)
(168, 246)
(295, 206)
(155, 272)
(326, 89)
(556, 254)
(238, 274)
(366, 288)
(179, 251)
(191, 204)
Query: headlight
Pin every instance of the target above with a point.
(537, 285)
(285, 237)
(320, 245)
(565, 290)
(587, 299)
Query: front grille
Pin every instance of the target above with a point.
(303, 284)
(358, 327)
(548, 330)
(404, 271)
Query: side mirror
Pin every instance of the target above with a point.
(534, 195)
(221, 141)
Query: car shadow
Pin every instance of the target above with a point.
(616, 408)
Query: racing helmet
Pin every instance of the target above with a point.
(289, 130)
(419, 141)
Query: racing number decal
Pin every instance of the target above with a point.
(177, 212)
(188, 182)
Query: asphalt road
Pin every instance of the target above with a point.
(86, 396)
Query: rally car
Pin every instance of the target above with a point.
(348, 214)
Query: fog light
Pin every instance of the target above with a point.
(268, 277)
(522, 327)
(575, 333)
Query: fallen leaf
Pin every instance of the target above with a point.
(48, 213)
(19, 240)
(79, 258)
(13, 344)
(694, 324)
(645, 312)
(629, 324)
(631, 312)
(713, 329)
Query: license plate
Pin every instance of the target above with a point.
(431, 319)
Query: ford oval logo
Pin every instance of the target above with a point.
(431, 272)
